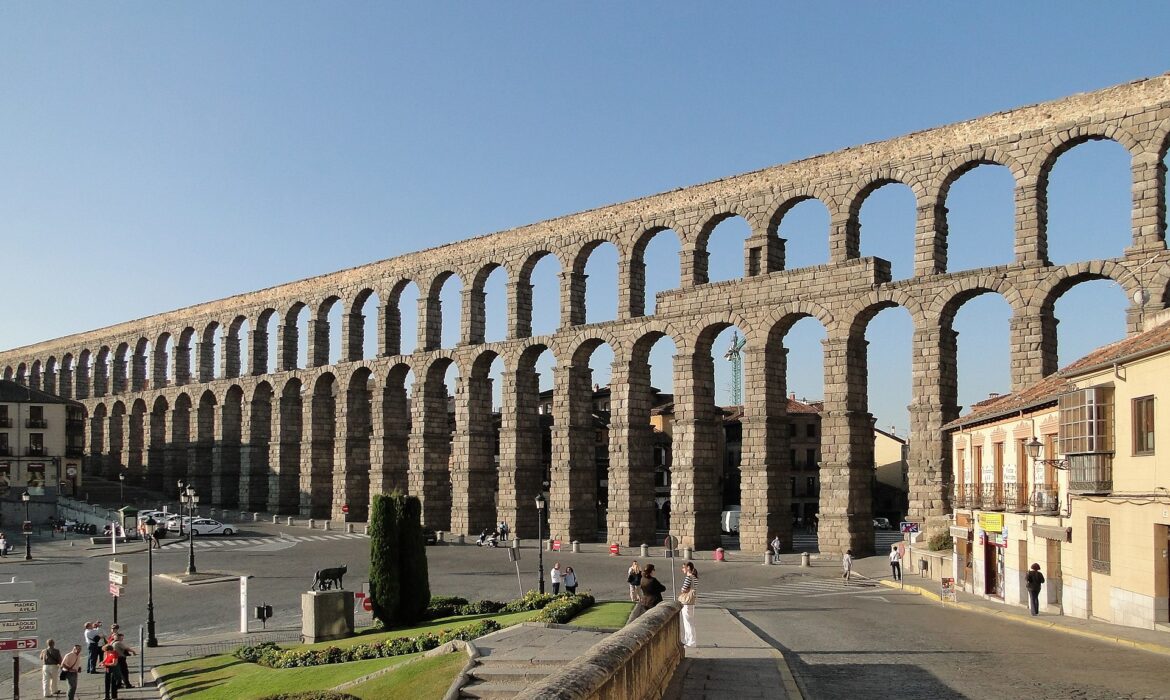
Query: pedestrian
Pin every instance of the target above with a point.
(123, 650)
(634, 579)
(93, 644)
(50, 668)
(3, 545)
(113, 673)
(570, 581)
(1032, 581)
(686, 596)
(555, 575)
(70, 667)
(896, 561)
(776, 549)
(650, 593)
(847, 564)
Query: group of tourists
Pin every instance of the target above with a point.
(646, 592)
(104, 653)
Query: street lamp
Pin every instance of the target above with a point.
(190, 498)
(27, 528)
(181, 487)
(122, 487)
(151, 640)
(540, 538)
(1033, 448)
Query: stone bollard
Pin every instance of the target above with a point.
(575, 546)
(255, 517)
(767, 558)
(349, 528)
(645, 552)
(365, 529)
(460, 539)
(289, 521)
(688, 553)
(804, 559)
(515, 543)
(327, 525)
(275, 519)
(312, 523)
(439, 536)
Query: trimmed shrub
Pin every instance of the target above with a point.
(532, 600)
(415, 586)
(385, 581)
(253, 654)
(564, 608)
(445, 606)
(481, 607)
(312, 695)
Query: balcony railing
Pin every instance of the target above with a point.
(1015, 497)
(992, 496)
(31, 451)
(1090, 473)
(1045, 498)
(5, 422)
(4, 451)
(36, 423)
(962, 497)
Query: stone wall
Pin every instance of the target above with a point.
(637, 661)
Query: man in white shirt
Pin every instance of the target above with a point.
(555, 575)
(896, 561)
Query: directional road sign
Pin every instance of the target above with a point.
(18, 644)
(18, 606)
(117, 578)
(118, 567)
(23, 625)
(115, 590)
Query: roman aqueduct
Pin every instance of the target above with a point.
(306, 440)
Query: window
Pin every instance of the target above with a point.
(3, 443)
(810, 430)
(792, 484)
(36, 443)
(5, 421)
(1086, 421)
(792, 458)
(811, 486)
(1143, 425)
(36, 417)
(810, 458)
(1099, 545)
(792, 430)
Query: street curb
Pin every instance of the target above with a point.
(1005, 615)
(790, 686)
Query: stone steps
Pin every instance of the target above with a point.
(505, 679)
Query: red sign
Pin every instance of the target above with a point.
(18, 644)
(614, 549)
(556, 545)
(367, 604)
(345, 509)
(115, 590)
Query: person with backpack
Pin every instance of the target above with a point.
(634, 579)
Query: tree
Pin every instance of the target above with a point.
(415, 592)
(385, 579)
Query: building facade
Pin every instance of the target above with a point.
(1072, 473)
(42, 442)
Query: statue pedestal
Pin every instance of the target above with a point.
(326, 615)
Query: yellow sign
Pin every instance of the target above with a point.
(991, 522)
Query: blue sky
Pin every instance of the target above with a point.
(156, 155)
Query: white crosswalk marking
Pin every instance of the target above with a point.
(229, 542)
(811, 588)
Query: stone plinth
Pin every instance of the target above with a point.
(326, 615)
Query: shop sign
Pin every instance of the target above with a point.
(991, 522)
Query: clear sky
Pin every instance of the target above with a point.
(156, 155)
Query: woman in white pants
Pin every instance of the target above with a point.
(686, 596)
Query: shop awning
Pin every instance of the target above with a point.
(1052, 532)
(960, 533)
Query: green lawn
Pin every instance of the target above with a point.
(371, 634)
(225, 677)
(425, 678)
(610, 616)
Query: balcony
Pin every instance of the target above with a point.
(992, 496)
(962, 496)
(5, 422)
(4, 451)
(1090, 473)
(1045, 499)
(32, 451)
(36, 423)
(1015, 497)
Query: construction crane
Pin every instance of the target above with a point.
(735, 355)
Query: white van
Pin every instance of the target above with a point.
(729, 522)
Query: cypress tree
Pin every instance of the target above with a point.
(385, 577)
(415, 591)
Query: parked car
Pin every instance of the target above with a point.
(729, 521)
(882, 524)
(429, 537)
(207, 526)
(172, 522)
(144, 515)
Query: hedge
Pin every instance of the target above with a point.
(312, 695)
(564, 608)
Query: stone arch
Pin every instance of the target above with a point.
(136, 442)
(867, 185)
(354, 333)
(351, 476)
(289, 343)
(390, 447)
(775, 253)
(1061, 143)
(101, 372)
(180, 457)
(701, 255)
(34, 375)
(576, 287)
(116, 454)
(229, 439)
(49, 377)
(475, 301)
(183, 350)
(474, 479)
(432, 307)
(233, 345)
(633, 279)
(8, 373)
(933, 235)
(139, 379)
(430, 475)
(82, 388)
(260, 344)
(521, 305)
(200, 467)
(393, 321)
(284, 484)
(256, 453)
(319, 332)
(160, 361)
(208, 353)
(65, 378)
(156, 474)
(119, 378)
(97, 439)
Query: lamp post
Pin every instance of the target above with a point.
(540, 538)
(27, 528)
(1033, 447)
(151, 640)
(191, 499)
(182, 486)
(122, 487)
